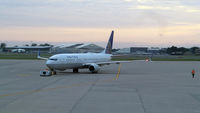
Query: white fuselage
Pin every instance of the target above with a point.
(70, 61)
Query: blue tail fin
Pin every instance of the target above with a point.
(38, 52)
(108, 49)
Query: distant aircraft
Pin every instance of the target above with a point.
(92, 61)
(18, 51)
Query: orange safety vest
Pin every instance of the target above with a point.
(193, 71)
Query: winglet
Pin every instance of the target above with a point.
(39, 57)
(38, 53)
(108, 49)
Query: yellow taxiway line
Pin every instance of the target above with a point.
(118, 73)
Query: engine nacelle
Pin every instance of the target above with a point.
(94, 68)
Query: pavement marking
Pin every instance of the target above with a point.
(59, 87)
(23, 75)
(51, 89)
(118, 73)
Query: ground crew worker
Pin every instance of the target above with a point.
(193, 73)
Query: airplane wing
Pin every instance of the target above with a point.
(107, 63)
(112, 62)
(39, 57)
(42, 58)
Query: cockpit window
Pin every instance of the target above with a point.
(54, 59)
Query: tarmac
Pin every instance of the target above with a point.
(137, 87)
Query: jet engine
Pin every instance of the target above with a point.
(94, 68)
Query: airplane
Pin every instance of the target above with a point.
(18, 51)
(92, 61)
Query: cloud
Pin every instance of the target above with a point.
(151, 17)
(188, 9)
(146, 7)
(128, 0)
(145, 1)
(193, 10)
(183, 8)
(89, 13)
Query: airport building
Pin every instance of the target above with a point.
(66, 48)
(31, 49)
(138, 50)
(197, 52)
(93, 48)
(154, 50)
(77, 48)
(123, 51)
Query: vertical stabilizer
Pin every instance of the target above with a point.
(108, 49)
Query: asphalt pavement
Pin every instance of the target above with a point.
(137, 87)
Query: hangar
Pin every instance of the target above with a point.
(77, 48)
(31, 49)
(90, 48)
(138, 49)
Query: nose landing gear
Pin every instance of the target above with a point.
(53, 72)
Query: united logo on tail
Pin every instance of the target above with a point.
(108, 49)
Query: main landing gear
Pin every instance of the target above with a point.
(75, 70)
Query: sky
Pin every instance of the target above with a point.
(159, 23)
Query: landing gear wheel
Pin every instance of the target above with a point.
(53, 72)
(75, 70)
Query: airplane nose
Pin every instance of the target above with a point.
(49, 64)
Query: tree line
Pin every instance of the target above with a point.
(34, 44)
(170, 50)
(3, 45)
(182, 50)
